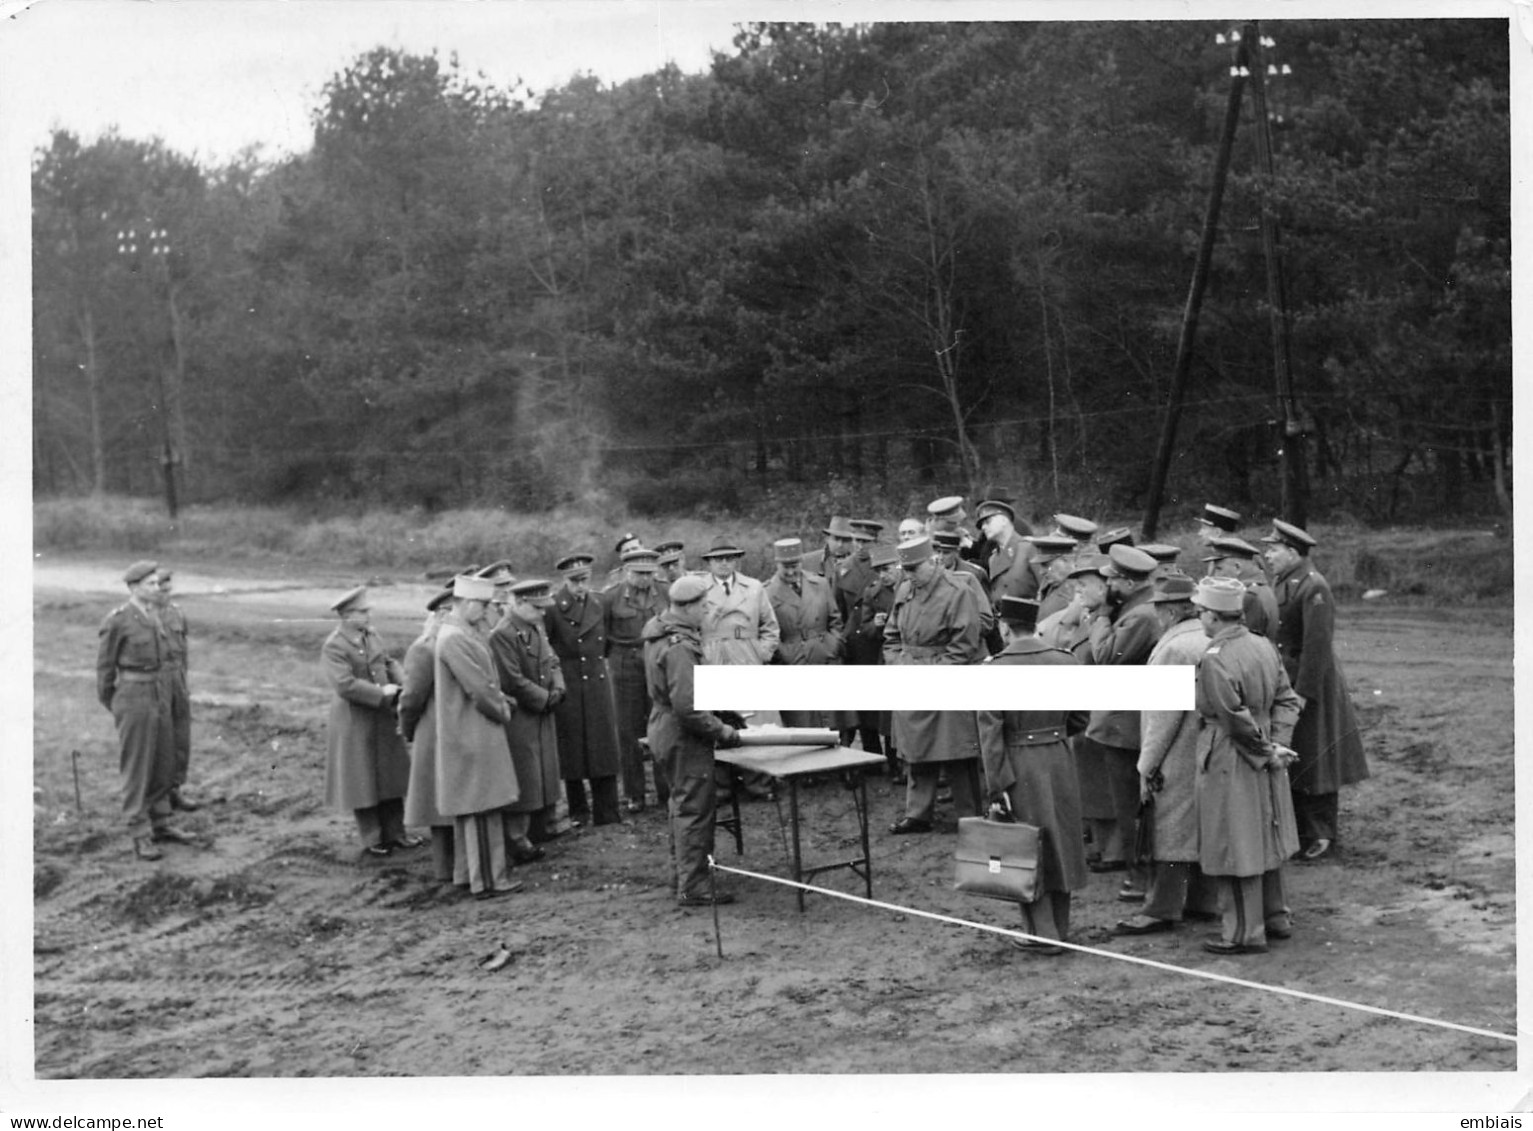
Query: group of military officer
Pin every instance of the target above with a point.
(515, 685)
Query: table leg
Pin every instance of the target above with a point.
(736, 784)
(860, 795)
(798, 869)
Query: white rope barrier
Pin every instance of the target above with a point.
(1135, 959)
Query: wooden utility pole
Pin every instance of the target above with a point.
(1195, 296)
(1295, 488)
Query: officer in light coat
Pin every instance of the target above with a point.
(1246, 829)
(417, 726)
(935, 620)
(475, 780)
(1168, 742)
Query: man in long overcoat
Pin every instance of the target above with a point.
(935, 620)
(132, 682)
(367, 768)
(585, 718)
(1327, 737)
(531, 678)
(945, 545)
(1027, 761)
(1168, 776)
(474, 780)
(1245, 813)
(417, 726)
(808, 623)
(683, 739)
(626, 608)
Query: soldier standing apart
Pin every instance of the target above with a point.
(626, 608)
(585, 719)
(1125, 636)
(739, 627)
(417, 726)
(530, 677)
(367, 769)
(1245, 815)
(935, 620)
(808, 622)
(1326, 737)
(1028, 770)
(1168, 772)
(865, 647)
(174, 621)
(133, 682)
(683, 738)
(475, 781)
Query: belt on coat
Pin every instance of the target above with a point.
(1038, 737)
(789, 638)
(744, 634)
(134, 675)
(617, 643)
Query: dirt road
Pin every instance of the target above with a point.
(271, 949)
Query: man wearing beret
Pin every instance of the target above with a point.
(1237, 558)
(174, 621)
(808, 622)
(133, 682)
(585, 719)
(367, 768)
(626, 608)
(1245, 814)
(474, 779)
(935, 620)
(683, 738)
(1028, 774)
(1125, 635)
(531, 678)
(1327, 738)
(1168, 773)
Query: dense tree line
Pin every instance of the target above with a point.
(864, 256)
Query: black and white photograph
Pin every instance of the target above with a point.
(425, 394)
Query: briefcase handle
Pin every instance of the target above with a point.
(1001, 811)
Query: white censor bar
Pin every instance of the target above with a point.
(922, 687)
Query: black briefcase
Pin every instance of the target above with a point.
(997, 859)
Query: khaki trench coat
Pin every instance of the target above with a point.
(365, 758)
(1245, 811)
(810, 633)
(529, 674)
(474, 773)
(939, 625)
(586, 719)
(417, 725)
(739, 627)
(1168, 742)
(1327, 737)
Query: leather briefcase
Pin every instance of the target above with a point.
(997, 859)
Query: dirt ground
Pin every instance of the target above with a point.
(272, 949)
